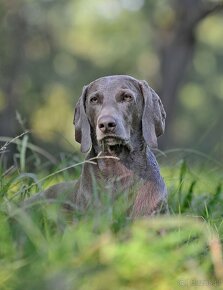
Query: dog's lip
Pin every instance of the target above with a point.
(114, 140)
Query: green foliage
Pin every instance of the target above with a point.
(44, 247)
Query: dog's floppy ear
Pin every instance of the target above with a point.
(81, 123)
(153, 118)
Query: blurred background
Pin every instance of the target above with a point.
(49, 49)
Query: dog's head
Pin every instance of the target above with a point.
(118, 113)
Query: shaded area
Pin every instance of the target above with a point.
(50, 49)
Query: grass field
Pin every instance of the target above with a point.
(47, 248)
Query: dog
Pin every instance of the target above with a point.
(117, 121)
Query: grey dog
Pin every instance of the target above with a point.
(117, 121)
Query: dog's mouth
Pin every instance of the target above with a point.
(114, 145)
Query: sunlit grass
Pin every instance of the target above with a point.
(44, 247)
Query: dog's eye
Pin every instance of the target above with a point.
(126, 98)
(94, 100)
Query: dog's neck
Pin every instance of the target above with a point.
(139, 163)
(138, 170)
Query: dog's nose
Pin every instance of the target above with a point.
(107, 124)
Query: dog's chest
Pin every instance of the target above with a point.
(115, 176)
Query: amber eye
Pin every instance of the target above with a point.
(94, 100)
(126, 98)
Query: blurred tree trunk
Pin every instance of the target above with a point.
(177, 47)
(11, 66)
(13, 30)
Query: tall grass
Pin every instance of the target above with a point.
(44, 247)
